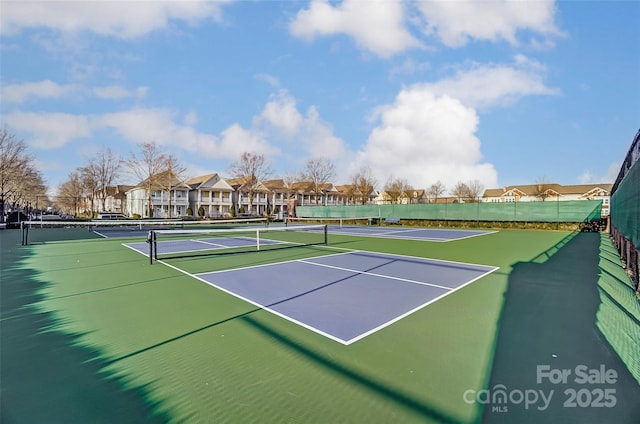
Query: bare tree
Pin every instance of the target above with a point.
(395, 187)
(436, 190)
(289, 179)
(70, 193)
(89, 184)
(20, 181)
(460, 191)
(319, 172)
(103, 168)
(364, 183)
(476, 190)
(147, 165)
(542, 188)
(291, 194)
(470, 191)
(252, 168)
(171, 176)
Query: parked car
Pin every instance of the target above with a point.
(112, 216)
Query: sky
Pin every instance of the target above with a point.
(503, 92)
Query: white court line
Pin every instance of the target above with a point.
(135, 250)
(355, 271)
(396, 237)
(417, 308)
(314, 329)
(259, 305)
(221, 246)
(397, 234)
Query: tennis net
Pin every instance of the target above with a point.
(182, 243)
(135, 228)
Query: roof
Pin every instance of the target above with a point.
(238, 183)
(279, 184)
(118, 189)
(162, 180)
(196, 181)
(534, 189)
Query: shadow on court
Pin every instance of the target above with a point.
(45, 377)
(429, 412)
(549, 327)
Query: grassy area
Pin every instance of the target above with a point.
(156, 344)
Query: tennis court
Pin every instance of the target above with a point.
(427, 234)
(369, 227)
(363, 328)
(346, 296)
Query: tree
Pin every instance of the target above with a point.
(460, 191)
(435, 191)
(542, 187)
(147, 165)
(21, 183)
(89, 184)
(395, 187)
(170, 177)
(470, 191)
(70, 193)
(363, 183)
(103, 168)
(476, 190)
(319, 172)
(251, 168)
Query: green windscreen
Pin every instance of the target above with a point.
(549, 211)
(625, 206)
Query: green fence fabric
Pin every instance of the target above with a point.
(549, 211)
(625, 206)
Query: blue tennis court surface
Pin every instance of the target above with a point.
(198, 245)
(407, 233)
(346, 296)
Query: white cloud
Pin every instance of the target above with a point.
(485, 86)
(269, 79)
(117, 92)
(383, 27)
(281, 112)
(585, 178)
(279, 131)
(119, 19)
(279, 122)
(423, 137)
(609, 176)
(190, 119)
(455, 23)
(376, 26)
(319, 139)
(20, 93)
(47, 89)
(428, 133)
(143, 125)
(612, 173)
(50, 130)
(235, 140)
(308, 134)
